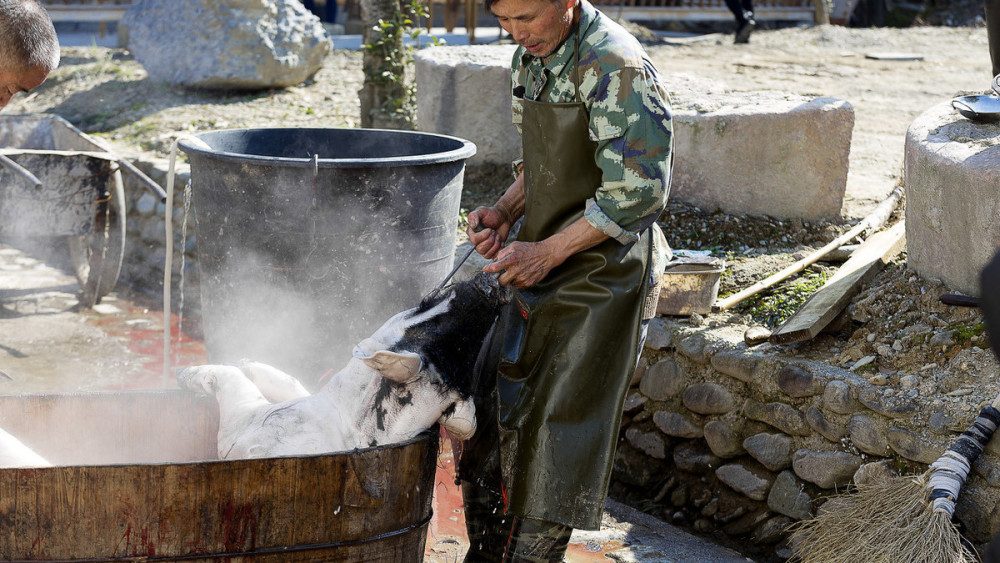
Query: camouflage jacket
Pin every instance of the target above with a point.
(630, 121)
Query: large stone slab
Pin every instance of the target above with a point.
(763, 153)
(760, 153)
(465, 91)
(227, 44)
(952, 170)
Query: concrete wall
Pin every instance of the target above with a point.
(465, 91)
(764, 153)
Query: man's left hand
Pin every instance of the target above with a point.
(523, 264)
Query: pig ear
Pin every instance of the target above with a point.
(397, 366)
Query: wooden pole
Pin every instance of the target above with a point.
(823, 306)
(822, 12)
(873, 221)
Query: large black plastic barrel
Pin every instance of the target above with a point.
(309, 239)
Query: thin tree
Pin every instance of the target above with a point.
(385, 95)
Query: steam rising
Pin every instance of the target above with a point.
(296, 268)
(301, 260)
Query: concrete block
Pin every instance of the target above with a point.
(764, 153)
(759, 153)
(951, 170)
(464, 91)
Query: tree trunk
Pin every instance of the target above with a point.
(822, 10)
(374, 96)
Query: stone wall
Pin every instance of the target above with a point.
(723, 437)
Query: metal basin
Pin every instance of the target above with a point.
(980, 108)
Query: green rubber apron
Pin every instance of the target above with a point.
(569, 342)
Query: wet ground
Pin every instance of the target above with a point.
(48, 345)
(447, 540)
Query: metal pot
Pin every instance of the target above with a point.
(980, 108)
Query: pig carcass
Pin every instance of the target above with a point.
(415, 370)
(275, 385)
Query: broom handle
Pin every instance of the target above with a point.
(952, 468)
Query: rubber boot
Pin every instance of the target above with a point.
(537, 541)
(993, 32)
(485, 523)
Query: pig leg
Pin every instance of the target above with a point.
(239, 399)
(460, 419)
(276, 385)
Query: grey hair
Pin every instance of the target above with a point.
(488, 4)
(27, 37)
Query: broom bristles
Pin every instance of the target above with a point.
(886, 522)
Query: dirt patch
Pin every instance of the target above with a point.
(106, 92)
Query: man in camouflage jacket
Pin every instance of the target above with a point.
(570, 56)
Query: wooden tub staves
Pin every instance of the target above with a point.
(131, 482)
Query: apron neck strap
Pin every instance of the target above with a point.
(576, 59)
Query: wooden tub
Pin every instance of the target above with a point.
(137, 479)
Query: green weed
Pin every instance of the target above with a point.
(775, 306)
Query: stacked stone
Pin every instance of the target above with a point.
(723, 437)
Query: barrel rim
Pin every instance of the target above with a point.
(428, 435)
(465, 150)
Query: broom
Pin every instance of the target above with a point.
(902, 519)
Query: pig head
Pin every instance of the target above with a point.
(415, 370)
(429, 352)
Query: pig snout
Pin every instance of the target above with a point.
(460, 419)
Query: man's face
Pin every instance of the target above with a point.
(12, 82)
(537, 25)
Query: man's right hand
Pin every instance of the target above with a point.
(488, 230)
